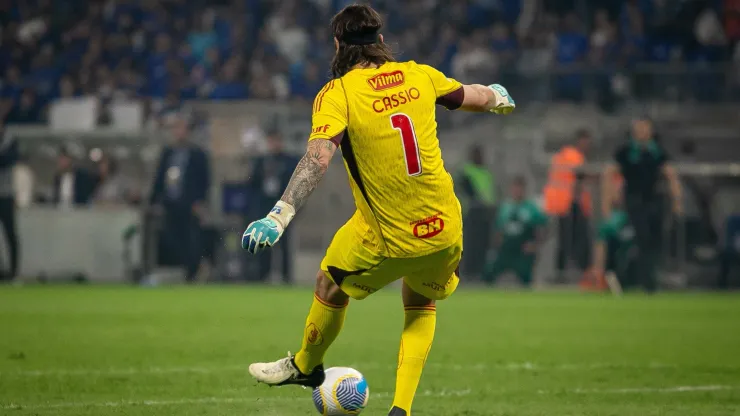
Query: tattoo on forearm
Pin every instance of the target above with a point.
(308, 173)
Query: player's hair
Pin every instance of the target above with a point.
(356, 28)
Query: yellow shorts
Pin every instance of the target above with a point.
(353, 264)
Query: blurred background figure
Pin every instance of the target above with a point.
(520, 230)
(73, 185)
(643, 163)
(270, 175)
(181, 186)
(730, 252)
(24, 182)
(615, 250)
(476, 189)
(113, 188)
(568, 199)
(8, 160)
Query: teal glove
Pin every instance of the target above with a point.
(505, 104)
(260, 234)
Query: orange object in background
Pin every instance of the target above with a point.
(561, 184)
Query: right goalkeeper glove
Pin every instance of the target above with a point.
(504, 103)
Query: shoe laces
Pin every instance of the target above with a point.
(281, 366)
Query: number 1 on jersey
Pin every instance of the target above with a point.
(403, 124)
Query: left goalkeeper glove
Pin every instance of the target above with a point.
(267, 231)
(504, 103)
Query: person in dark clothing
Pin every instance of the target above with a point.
(27, 110)
(181, 187)
(73, 186)
(8, 158)
(270, 175)
(476, 188)
(642, 162)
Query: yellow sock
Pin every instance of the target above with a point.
(416, 341)
(323, 324)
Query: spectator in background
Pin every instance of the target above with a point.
(12, 85)
(27, 110)
(473, 58)
(203, 37)
(290, 39)
(228, 86)
(44, 74)
(520, 232)
(476, 189)
(308, 83)
(642, 162)
(270, 175)
(711, 47)
(729, 255)
(8, 159)
(731, 16)
(567, 199)
(113, 188)
(572, 47)
(73, 186)
(24, 181)
(604, 55)
(67, 88)
(181, 186)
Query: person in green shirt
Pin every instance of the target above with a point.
(616, 249)
(519, 232)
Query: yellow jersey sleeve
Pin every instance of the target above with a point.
(329, 119)
(442, 85)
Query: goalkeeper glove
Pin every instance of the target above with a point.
(504, 103)
(267, 231)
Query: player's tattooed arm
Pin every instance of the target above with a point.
(308, 173)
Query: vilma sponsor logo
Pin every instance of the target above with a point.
(428, 227)
(321, 129)
(364, 288)
(313, 335)
(386, 80)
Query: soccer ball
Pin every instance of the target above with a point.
(344, 392)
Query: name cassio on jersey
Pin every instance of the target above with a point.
(387, 81)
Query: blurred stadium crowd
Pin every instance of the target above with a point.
(174, 50)
(574, 63)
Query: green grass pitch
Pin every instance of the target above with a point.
(184, 351)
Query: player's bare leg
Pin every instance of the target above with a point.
(416, 341)
(323, 324)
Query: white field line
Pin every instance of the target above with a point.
(676, 389)
(211, 400)
(512, 366)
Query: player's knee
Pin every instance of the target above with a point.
(329, 291)
(414, 298)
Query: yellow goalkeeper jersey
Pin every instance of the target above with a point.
(383, 119)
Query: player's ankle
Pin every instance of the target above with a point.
(302, 363)
(397, 411)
